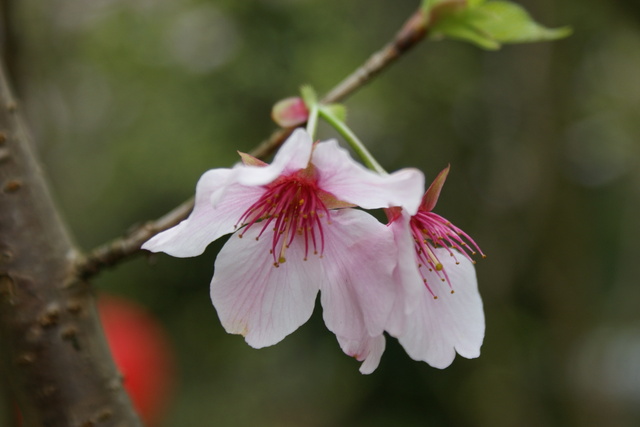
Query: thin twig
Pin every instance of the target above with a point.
(412, 32)
(124, 247)
(114, 252)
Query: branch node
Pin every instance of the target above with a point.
(50, 318)
(26, 359)
(12, 186)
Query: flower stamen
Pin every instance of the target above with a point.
(430, 231)
(290, 207)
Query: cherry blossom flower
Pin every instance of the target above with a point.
(439, 311)
(295, 233)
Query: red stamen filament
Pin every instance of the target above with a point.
(430, 231)
(290, 207)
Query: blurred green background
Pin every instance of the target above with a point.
(131, 101)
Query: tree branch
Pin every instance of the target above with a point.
(109, 254)
(128, 245)
(54, 357)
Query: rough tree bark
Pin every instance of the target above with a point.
(54, 358)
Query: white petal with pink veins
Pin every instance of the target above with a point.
(438, 328)
(367, 350)
(292, 156)
(206, 223)
(357, 291)
(351, 182)
(257, 300)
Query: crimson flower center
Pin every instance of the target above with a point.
(291, 208)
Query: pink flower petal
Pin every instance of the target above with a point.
(206, 223)
(406, 276)
(357, 291)
(351, 182)
(368, 350)
(257, 300)
(292, 156)
(438, 328)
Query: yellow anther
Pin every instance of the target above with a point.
(433, 259)
(301, 202)
(282, 260)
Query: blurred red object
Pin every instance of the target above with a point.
(143, 354)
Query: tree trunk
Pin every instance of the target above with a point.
(54, 358)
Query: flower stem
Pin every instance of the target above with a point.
(310, 99)
(312, 122)
(352, 140)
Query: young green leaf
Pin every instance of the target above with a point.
(308, 95)
(338, 110)
(510, 23)
(487, 24)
